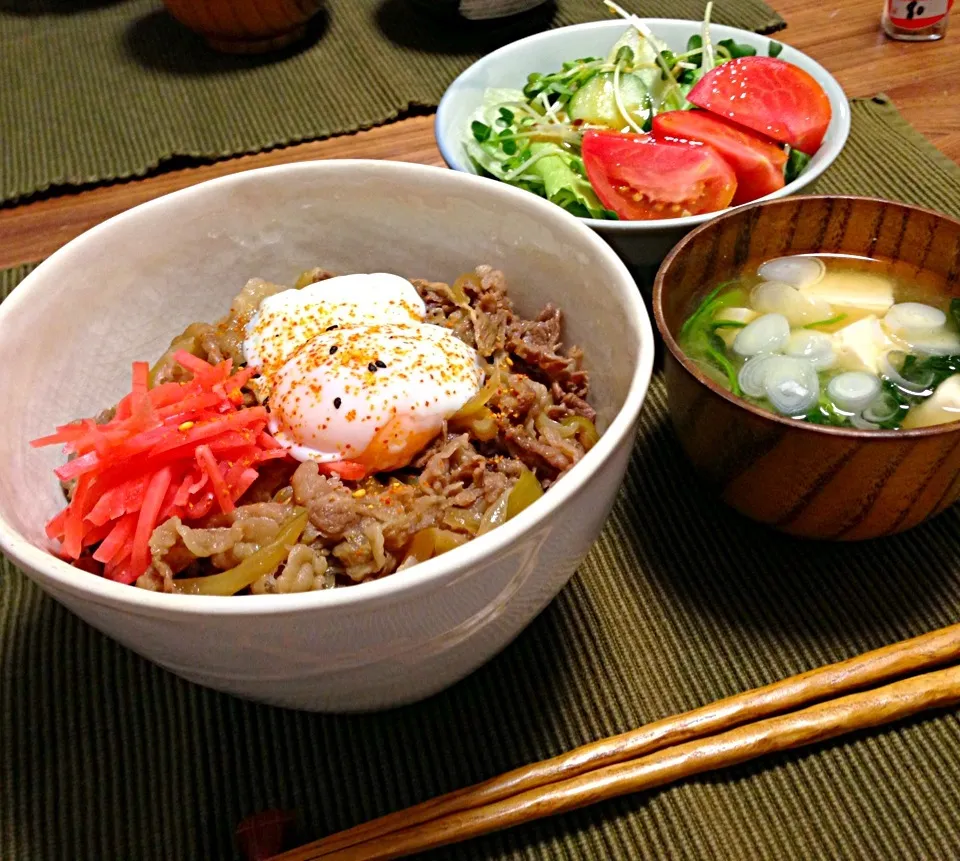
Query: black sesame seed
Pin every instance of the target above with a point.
(333, 349)
(380, 364)
(372, 368)
(336, 403)
(331, 328)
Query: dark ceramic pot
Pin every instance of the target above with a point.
(245, 26)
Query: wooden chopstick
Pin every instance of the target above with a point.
(826, 720)
(870, 669)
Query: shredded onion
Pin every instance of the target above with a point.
(557, 435)
(554, 429)
(463, 519)
(457, 291)
(479, 400)
(496, 514)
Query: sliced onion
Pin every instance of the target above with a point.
(942, 343)
(766, 334)
(791, 385)
(889, 372)
(800, 270)
(884, 408)
(854, 390)
(815, 346)
(915, 316)
(776, 297)
(733, 315)
(496, 514)
(862, 424)
(753, 375)
(772, 297)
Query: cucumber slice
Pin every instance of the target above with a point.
(596, 103)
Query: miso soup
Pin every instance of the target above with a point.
(833, 340)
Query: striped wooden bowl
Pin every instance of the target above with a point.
(807, 480)
(245, 26)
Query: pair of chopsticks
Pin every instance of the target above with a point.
(876, 688)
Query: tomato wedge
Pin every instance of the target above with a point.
(770, 96)
(642, 179)
(757, 161)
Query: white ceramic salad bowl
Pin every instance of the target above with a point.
(641, 244)
(118, 293)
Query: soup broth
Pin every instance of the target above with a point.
(833, 340)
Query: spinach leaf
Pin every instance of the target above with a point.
(716, 352)
(837, 318)
(698, 335)
(955, 312)
(702, 314)
(930, 371)
(825, 413)
(774, 49)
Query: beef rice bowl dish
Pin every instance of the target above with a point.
(320, 436)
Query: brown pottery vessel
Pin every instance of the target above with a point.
(245, 26)
(805, 479)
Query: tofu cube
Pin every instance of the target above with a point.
(941, 407)
(860, 345)
(853, 289)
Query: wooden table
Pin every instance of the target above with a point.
(843, 35)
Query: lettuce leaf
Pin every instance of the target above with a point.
(562, 185)
(552, 172)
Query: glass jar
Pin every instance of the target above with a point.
(915, 20)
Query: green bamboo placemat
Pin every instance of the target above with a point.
(94, 91)
(105, 756)
(887, 157)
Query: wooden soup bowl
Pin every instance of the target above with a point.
(804, 479)
(245, 26)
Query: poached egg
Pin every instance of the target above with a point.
(285, 321)
(352, 374)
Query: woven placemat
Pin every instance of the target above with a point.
(105, 756)
(94, 91)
